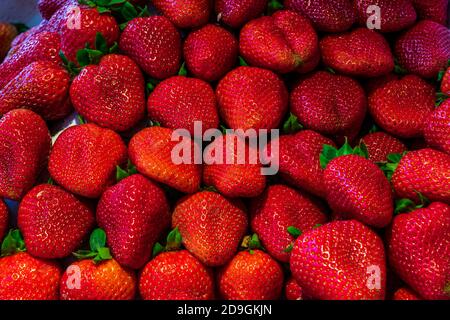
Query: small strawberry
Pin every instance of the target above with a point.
(405, 294)
(24, 148)
(292, 290)
(341, 260)
(437, 128)
(379, 145)
(210, 52)
(185, 13)
(235, 13)
(84, 159)
(4, 218)
(361, 52)
(7, 34)
(435, 10)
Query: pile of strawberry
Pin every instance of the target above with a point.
(360, 208)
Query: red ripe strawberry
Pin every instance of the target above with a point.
(278, 209)
(185, 14)
(292, 290)
(250, 275)
(211, 226)
(361, 52)
(327, 15)
(424, 49)
(155, 44)
(251, 97)
(152, 151)
(233, 174)
(176, 275)
(435, 10)
(179, 101)
(27, 35)
(284, 42)
(419, 250)
(445, 84)
(401, 106)
(53, 222)
(111, 94)
(133, 214)
(4, 218)
(236, 13)
(341, 260)
(210, 52)
(437, 128)
(24, 148)
(405, 294)
(48, 7)
(7, 34)
(396, 15)
(379, 145)
(330, 104)
(42, 87)
(84, 159)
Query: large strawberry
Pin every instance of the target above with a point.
(236, 13)
(361, 52)
(210, 52)
(185, 13)
(159, 157)
(405, 294)
(279, 212)
(7, 34)
(252, 97)
(4, 218)
(424, 49)
(419, 250)
(435, 10)
(133, 214)
(380, 144)
(437, 128)
(84, 159)
(155, 44)
(24, 148)
(211, 226)
(341, 260)
(179, 101)
(284, 42)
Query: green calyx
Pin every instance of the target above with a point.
(294, 232)
(13, 243)
(98, 250)
(291, 125)
(209, 188)
(173, 243)
(447, 289)
(183, 70)
(330, 152)
(125, 173)
(398, 69)
(441, 73)
(440, 98)
(20, 27)
(407, 205)
(242, 62)
(251, 243)
(391, 165)
(151, 85)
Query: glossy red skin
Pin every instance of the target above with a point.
(235, 13)
(419, 250)
(154, 44)
(250, 97)
(53, 222)
(250, 276)
(42, 87)
(4, 218)
(134, 213)
(278, 208)
(445, 84)
(110, 94)
(179, 101)
(211, 226)
(84, 159)
(24, 277)
(331, 262)
(435, 10)
(426, 171)
(361, 52)
(405, 294)
(106, 280)
(176, 275)
(401, 106)
(437, 128)
(326, 15)
(24, 147)
(292, 290)
(7, 34)
(235, 179)
(424, 49)
(185, 13)
(330, 104)
(380, 145)
(284, 42)
(48, 7)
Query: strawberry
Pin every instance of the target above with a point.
(84, 159)
(437, 128)
(155, 44)
(380, 144)
(401, 106)
(341, 260)
(42, 87)
(48, 7)
(133, 214)
(250, 97)
(7, 34)
(152, 150)
(284, 42)
(231, 173)
(4, 218)
(211, 226)
(210, 52)
(424, 49)
(435, 10)
(235, 13)
(22, 37)
(419, 250)
(104, 95)
(361, 52)
(292, 290)
(185, 14)
(179, 101)
(24, 148)
(326, 15)
(405, 294)
(445, 84)
(331, 104)
(276, 212)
